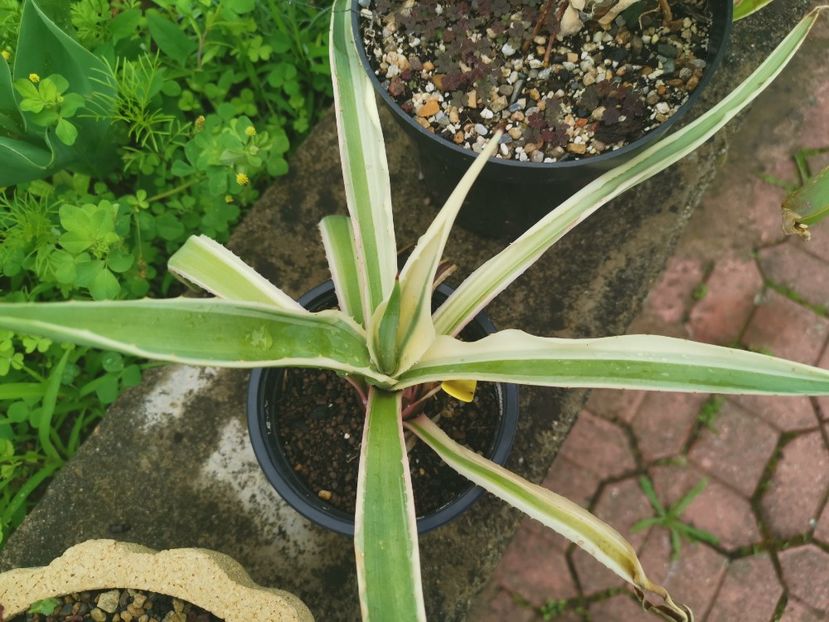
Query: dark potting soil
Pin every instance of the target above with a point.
(462, 68)
(319, 420)
(116, 605)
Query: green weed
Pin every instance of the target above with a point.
(208, 99)
(670, 517)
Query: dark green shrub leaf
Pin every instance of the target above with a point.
(169, 37)
(169, 227)
(67, 132)
(112, 362)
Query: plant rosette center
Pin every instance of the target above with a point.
(463, 69)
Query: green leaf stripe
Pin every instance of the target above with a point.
(744, 8)
(385, 530)
(201, 332)
(338, 240)
(363, 155)
(206, 263)
(626, 362)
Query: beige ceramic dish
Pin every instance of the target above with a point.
(207, 579)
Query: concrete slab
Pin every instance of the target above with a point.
(189, 478)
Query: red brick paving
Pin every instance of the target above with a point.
(798, 612)
(615, 458)
(615, 405)
(534, 568)
(790, 266)
(806, 573)
(733, 284)
(787, 414)
(622, 504)
(619, 608)
(737, 450)
(795, 494)
(664, 423)
(718, 509)
(822, 529)
(782, 327)
(672, 294)
(750, 591)
(761, 504)
(693, 578)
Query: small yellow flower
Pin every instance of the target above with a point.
(6, 55)
(250, 131)
(34, 78)
(242, 179)
(228, 199)
(199, 124)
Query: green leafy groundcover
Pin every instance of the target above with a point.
(190, 107)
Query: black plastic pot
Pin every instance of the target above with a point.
(510, 196)
(263, 398)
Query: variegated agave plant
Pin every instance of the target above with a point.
(386, 338)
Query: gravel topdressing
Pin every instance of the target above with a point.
(118, 606)
(463, 68)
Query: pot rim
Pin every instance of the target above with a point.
(297, 495)
(720, 25)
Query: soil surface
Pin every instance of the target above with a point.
(117, 606)
(462, 69)
(320, 425)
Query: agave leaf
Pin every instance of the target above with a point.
(496, 274)
(201, 332)
(385, 529)
(744, 8)
(554, 511)
(206, 263)
(365, 169)
(626, 362)
(416, 332)
(338, 240)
